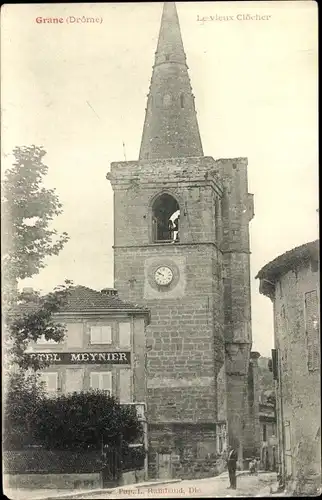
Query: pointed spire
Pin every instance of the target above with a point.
(170, 128)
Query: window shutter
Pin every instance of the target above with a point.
(101, 334)
(95, 380)
(125, 385)
(74, 335)
(51, 381)
(287, 433)
(125, 334)
(316, 356)
(106, 381)
(312, 330)
(74, 380)
(106, 334)
(310, 356)
(95, 334)
(275, 364)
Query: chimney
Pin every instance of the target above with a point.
(111, 292)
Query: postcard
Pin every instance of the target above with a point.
(160, 249)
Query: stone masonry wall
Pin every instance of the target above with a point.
(252, 438)
(300, 381)
(237, 211)
(192, 450)
(194, 182)
(184, 340)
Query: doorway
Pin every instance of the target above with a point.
(164, 466)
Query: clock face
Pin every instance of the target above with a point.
(163, 275)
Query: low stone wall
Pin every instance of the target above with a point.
(132, 477)
(66, 481)
(42, 461)
(38, 468)
(196, 469)
(53, 481)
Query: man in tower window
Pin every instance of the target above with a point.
(171, 229)
(175, 229)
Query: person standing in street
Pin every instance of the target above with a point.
(232, 467)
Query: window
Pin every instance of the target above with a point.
(314, 266)
(125, 334)
(275, 363)
(74, 335)
(50, 381)
(74, 380)
(42, 341)
(125, 385)
(287, 435)
(220, 446)
(140, 411)
(101, 334)
(165, 219)
(167, 100)
(284, 359)
(312, 330)
(167, 57)
(264, 433)
(182, 100)
(101, 381)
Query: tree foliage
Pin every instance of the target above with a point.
(28, 209)
(24, 395)
(79, 421)
(32, 317)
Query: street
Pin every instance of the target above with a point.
(247, 486)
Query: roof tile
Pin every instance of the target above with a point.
(82, 299)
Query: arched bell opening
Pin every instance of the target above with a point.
(165, 219)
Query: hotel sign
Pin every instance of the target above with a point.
(79, 358)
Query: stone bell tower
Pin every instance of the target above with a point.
(193, 275)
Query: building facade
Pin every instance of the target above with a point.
(192, 272)
(291, 281)
(252, 436)
(269, 444)
(104, 347)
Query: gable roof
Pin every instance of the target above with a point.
(84, 299)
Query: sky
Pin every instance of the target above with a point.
(79, 90)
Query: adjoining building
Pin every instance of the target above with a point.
(192, 272)
(268, 432)
(104, 346)
(291, 281)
